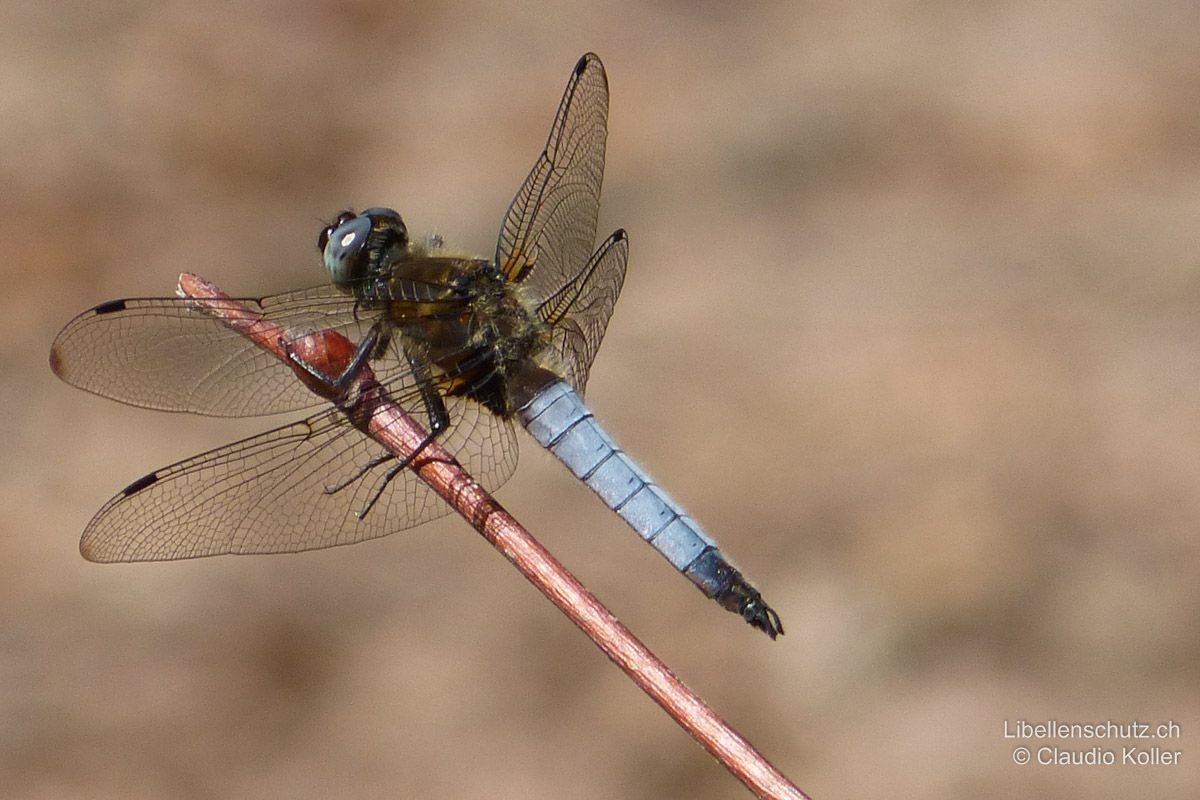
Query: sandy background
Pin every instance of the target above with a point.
(912, 324)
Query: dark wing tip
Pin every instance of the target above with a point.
(91, 551)
(584, 60)
(589, 61)
(110, 307)
(98, 548)
(88, 551)
(140, 484)
(56, 363)
(59, 350)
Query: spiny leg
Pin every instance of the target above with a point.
(363, 470)
(439, 421)
(372, 346)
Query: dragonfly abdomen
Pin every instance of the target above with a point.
(559, 420)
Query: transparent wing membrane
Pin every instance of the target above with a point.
(164, 353)
(578, 312)
(550, 226)
(271, 493)
(305, 485)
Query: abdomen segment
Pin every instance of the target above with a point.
(561, 423)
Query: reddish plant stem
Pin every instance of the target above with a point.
(367, 404)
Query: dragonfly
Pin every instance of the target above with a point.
(468, 346)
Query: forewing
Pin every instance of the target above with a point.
(271, 493)
(578, 313)
(165, 353)
(550, 226)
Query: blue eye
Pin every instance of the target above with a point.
(345, 249)
(327, 231)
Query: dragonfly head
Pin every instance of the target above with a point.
(357, 247)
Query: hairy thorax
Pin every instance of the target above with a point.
(473, 328)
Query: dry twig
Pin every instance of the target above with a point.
(368, 406)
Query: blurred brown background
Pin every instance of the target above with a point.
(927, 274)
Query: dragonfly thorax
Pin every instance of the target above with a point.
(507, 336)
(460, 321)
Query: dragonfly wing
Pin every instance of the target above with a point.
(278, 492)
(579, 311)
(165, 353)
(550, 226)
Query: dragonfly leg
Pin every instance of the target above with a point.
(435, 407)
(363, 470)
(371, 346)
(390, 474)
(439, 421)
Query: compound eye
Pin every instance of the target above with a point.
(345, 250)
(323, 237)
(342, 218)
